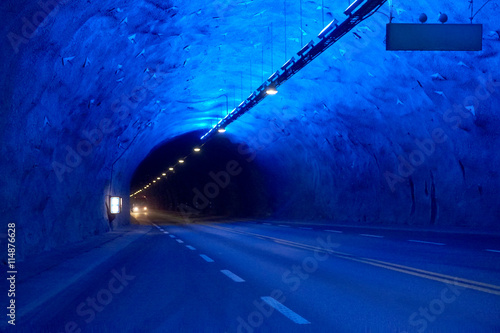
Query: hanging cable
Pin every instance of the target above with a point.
(391, 7)
(301, 31)
(471, 6)
(330, 35)
(272, 49)
(323, 13)
(284, 9)
(479, 10)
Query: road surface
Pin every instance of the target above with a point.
(260, 277)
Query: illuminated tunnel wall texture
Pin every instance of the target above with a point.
(360, 135)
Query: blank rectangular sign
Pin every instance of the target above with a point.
(434, 37)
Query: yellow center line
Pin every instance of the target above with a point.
(452, 280)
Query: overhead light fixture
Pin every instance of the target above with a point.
(326, 31)
(154, 181)
(197, 149)
(271, 90)
(352, 7)
(171, 169)
(158, 178)
(181, 161)
(221, 130)
(164, 174)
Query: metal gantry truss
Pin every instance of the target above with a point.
(358, 11)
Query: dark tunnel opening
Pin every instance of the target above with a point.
(217, 181)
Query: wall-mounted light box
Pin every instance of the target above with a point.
(115, 205)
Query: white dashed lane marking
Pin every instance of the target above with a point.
(424, 242)
(374, 236)
(166, 232)
(190, 247)
(207, 259)
(232, 276)
(496, 251)
(179, 241)
(296, 318)
(172, 236)
(335, 231)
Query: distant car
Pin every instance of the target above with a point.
(139, 208)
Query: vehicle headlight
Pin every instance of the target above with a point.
(135, 209)
(145, 208)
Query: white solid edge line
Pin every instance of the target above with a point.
(490, 250)
(336, 231)
(296, 318)
(424, 242)
(190, 247)
(374, 236)
(207, 259)
(179, 241)
(232, 276)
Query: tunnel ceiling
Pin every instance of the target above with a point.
(90, 89)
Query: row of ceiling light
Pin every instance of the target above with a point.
(270, 91)
(165, 173)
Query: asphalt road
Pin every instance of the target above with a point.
(257, 277)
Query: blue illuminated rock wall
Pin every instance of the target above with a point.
(97, 85)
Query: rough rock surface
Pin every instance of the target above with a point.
(110, 80)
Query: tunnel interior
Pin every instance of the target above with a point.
(219, 180)
(360, 136)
